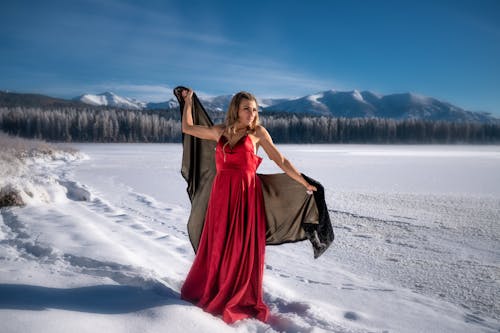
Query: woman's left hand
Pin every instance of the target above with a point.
(310, 188)
(187, 94)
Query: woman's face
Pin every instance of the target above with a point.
(247, 111)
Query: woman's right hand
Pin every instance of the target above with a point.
(187, 94)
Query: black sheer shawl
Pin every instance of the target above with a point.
(292, 215)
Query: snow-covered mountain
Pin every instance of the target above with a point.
(170, 104)
(113, 100)
(354, 103)
(216, 103)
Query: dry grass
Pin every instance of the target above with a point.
(23, 148)
(13, 153)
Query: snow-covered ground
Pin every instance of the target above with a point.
(102, 244)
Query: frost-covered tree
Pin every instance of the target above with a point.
(116, 125)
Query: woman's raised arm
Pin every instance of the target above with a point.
(188, 127)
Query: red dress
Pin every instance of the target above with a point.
(226, 276)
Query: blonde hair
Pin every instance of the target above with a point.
(232, 112)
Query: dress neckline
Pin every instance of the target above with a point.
(236, 143)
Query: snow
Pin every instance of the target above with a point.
(102, 243)
(314, 98)
(357, 95)
(111, 99)
(262, 104)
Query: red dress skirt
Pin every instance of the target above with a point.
(226, 276)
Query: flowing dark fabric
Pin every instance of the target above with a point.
(291, 214)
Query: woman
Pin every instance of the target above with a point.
(226, 276)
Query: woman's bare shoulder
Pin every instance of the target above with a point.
(261, 132)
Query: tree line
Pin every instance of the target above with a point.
(71, 124)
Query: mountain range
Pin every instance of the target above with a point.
(349, 104)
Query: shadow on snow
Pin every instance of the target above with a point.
(104, 299)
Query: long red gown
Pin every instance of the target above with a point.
(226, 276)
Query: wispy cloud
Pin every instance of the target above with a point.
(156, 23)
(270, 81)
(487, 24)
(264, 77)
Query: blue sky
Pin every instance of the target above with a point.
(449, 50)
